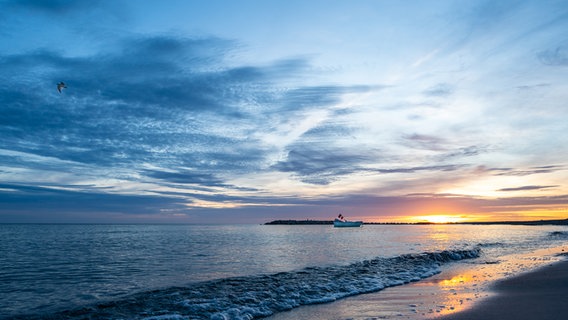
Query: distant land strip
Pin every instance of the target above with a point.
(522, 223)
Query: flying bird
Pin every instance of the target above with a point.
(60, 86)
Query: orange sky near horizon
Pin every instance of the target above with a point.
(451, 213)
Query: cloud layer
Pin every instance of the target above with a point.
(234, 123)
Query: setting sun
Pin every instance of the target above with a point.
(438, 219)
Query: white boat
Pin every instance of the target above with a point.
(337, 223)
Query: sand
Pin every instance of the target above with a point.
(541, 294)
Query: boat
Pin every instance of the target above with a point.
(338, 223)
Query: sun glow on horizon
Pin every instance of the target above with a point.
(438, 219)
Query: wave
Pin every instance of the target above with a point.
(491, 244)
(263, 295)
(558, 235)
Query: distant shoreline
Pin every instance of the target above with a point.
(329, 222)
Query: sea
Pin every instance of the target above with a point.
(174, 272)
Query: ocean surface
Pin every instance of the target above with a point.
(161, 272)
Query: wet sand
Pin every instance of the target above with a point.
(541, 294)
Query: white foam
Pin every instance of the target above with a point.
(251, 297)
(167, 317)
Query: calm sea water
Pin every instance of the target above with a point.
(229, 272)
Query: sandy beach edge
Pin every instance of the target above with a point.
(539, 294)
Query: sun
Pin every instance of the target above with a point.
(438, 219)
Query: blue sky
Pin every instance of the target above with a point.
(248, 111)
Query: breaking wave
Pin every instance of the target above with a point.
(491, 244)
(558, 235)
(263, 295)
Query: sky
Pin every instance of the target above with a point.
(251, 111)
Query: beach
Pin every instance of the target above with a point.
(541, 294)
(536, 281)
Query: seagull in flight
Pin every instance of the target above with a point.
(60, 86)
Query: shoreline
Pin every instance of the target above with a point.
(457, 292)
(538, 294)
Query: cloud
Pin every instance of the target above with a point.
(526, 172)
(526, 188)
(196, 181)
(38, 201)
(316, 164)
(52, 6)
(470, 151)
(326, 153)
(321, 165)
(424, 142)
(533, 87)
(201, 119)
(114, 112)
(167, 101)
(59, 21)
(439, 90)
(450, 167)
(185, 177)
(318, 96)
(555, 57)
(330, 151)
